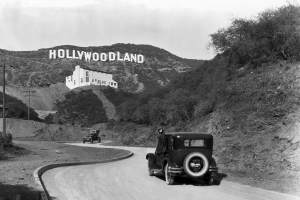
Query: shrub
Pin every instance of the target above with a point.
(1, 150)
(274, 34)
(6, 141)
(82, 108)
(17, 109)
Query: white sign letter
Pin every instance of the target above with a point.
(87, 56)
(61, 53)
(52, 54)
(103, 56)
(95, 56)
(140, 58)
(112, 56)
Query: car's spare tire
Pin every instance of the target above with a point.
(195, 164)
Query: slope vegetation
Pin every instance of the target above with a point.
(17, 109)
(81, 107)
(42, 98)
(247, 97)
(36, 69)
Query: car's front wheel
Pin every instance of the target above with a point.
(150, 158)
(151, 172)
(168, 177)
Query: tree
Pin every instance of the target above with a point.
(274, 34)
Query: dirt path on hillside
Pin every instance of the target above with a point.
(109, 108)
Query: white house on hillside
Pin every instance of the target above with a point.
(83, 77)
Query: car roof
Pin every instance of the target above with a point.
(191, 134)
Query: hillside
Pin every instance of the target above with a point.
(42, 98)
(22, 128)
(17, 109)
(81, 107)
(46, 77)
(247, 97)
(35, 67)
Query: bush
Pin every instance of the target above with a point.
(81, 108)
(176, 106)
(274, 34)
(17, 109)
(197, 93)
(117, 97)
(1, 151)
(6, 140)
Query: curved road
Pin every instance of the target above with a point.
(128, 180)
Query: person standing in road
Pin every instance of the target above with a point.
(162, 142)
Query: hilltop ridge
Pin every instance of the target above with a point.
(35, 67)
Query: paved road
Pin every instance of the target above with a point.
(128, 180)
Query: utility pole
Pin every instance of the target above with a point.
(4, 106)
(28, 92)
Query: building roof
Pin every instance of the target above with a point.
(190, 134)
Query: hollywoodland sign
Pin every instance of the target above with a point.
(95, 56)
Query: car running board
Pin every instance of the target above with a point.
(157, 171)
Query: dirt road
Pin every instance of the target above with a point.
(128, 180)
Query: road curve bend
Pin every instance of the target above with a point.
(128, 180)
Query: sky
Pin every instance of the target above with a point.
(179, 26)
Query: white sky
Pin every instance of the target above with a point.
(179, 26)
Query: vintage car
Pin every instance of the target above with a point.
(184, 154)
(92, 136)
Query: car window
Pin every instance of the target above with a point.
(194, 143)
(197, 143)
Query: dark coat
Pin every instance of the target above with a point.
(162, 144)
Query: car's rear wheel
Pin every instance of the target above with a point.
(168, 177)
(195, 164)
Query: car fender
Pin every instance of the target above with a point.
(213, 162)
(150, 156)
(164, 162)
